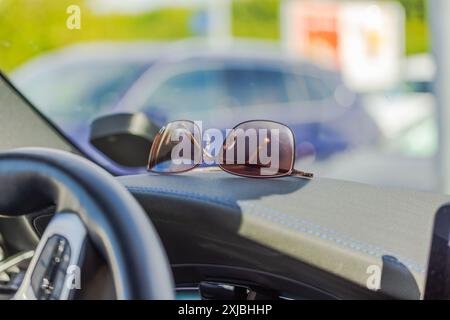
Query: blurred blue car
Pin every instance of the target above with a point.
(221, 86)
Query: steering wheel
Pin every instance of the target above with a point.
(92, 210)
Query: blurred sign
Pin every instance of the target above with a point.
(311, 30)
(364, 40)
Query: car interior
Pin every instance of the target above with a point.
(224, 153)
(204, 234)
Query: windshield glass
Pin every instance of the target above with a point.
(356, 81)
(91, 87)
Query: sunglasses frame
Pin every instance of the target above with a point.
(291, 172)
(160, 135)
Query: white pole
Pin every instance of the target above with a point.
(439, 11)
(219, 22)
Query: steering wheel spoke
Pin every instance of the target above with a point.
(98, 224)
(55, 270)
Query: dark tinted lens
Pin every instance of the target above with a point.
(176, 148)
(259, 149)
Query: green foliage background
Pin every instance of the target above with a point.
(417, 32)
(30, 27)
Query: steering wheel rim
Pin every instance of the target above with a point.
(31, 178)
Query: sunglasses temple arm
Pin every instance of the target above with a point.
(298, 173)
(206, 154)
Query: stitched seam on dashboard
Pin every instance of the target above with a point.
(293, 223)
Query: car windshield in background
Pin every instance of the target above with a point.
(357, 94)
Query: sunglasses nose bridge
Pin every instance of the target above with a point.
(208, 156)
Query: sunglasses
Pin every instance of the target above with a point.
(254, 149)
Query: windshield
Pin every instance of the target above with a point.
(91, 87)
(356, 81)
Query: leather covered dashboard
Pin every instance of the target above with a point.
(319, 231)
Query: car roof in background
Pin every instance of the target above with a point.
(132, 52)
(238, 50)
(149, 52)
(156, 55)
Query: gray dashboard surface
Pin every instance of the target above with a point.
(345, 229)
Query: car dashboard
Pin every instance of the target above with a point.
(289, 238)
